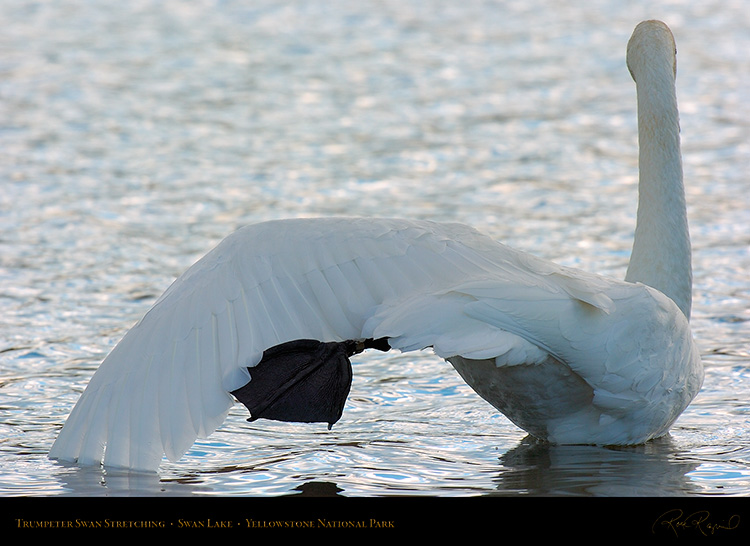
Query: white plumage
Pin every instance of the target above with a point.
(569, 356)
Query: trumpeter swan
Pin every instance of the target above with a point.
(273, 313)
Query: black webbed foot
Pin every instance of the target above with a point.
(303, 381)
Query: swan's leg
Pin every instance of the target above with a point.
(303, 381)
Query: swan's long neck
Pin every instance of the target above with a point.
(661, 248)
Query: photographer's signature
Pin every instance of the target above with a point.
(676, 521)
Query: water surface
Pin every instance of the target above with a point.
(136, 135)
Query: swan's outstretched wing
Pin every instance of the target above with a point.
(419, 284)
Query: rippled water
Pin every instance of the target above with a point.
(136, 135)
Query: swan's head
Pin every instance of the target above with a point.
(651, 48)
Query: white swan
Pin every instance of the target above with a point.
(569, 356)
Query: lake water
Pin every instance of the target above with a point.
(136, 135)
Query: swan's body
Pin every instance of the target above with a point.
(569, 356)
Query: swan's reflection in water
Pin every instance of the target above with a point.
(91, 481)
(535, 468)
(540, 469)
(532, 468)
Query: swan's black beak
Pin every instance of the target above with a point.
(305, 381)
